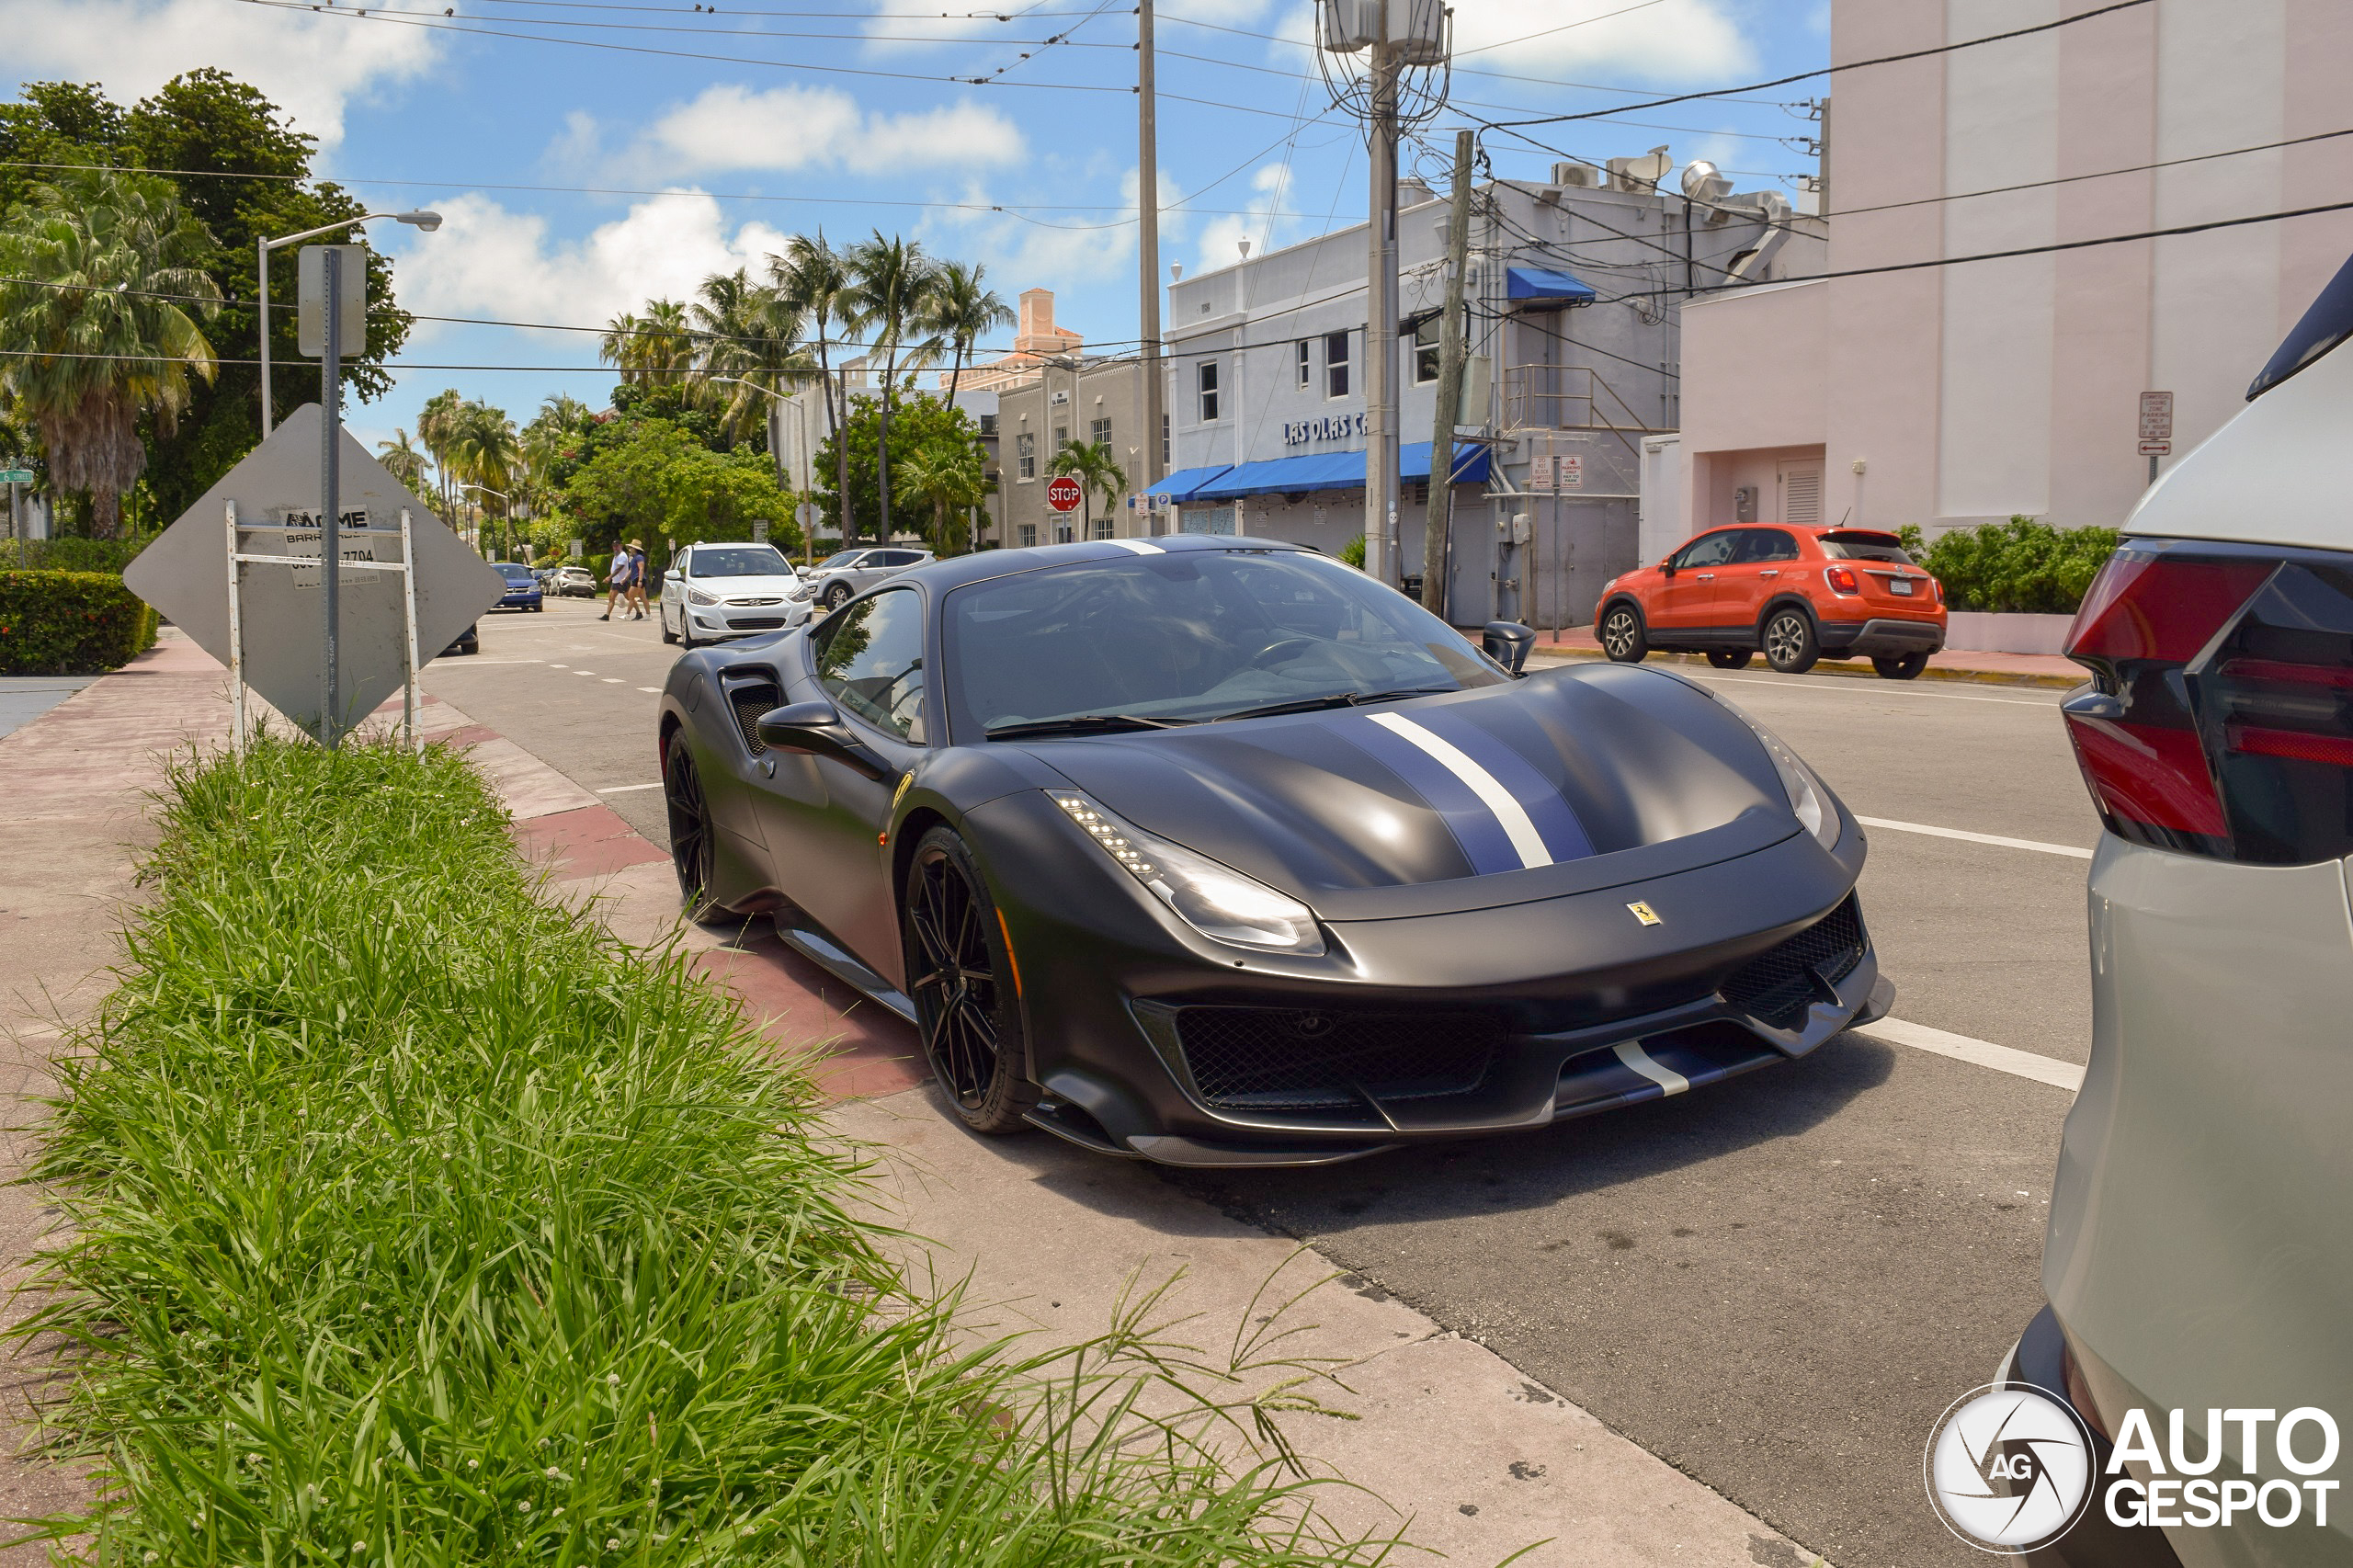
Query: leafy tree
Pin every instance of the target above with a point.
(749, 332)
(91, 271)
(653, 347)
(891, 279)
(403, 461)
(962, 309)
(920, 420)
(660, 484)
(1097, 474)
(950, 477)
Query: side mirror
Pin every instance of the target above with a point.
(816, 729)
(1666, 567)
(1508, 642)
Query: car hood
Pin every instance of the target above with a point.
(744, 587)
(1565, 782)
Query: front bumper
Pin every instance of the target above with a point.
(531, 601)
(1882, 637)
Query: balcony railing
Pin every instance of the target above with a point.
(1569, 397)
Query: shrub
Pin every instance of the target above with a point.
(2021, 566)
(108, 555)
(416, 1220)
(1352, 552)
(62, 623)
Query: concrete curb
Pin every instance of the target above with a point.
(1849, 668)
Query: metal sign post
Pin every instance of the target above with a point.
(330, 492)
(2156, 428)
(236, 642)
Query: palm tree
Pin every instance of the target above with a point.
(402, 460)
(656, 348)
(959, 309)
(953, 477)
(1097, 474)
(93, 266)
(486, 452)
(750, 333)
(811, 280)
(436, 431)
(888, 280)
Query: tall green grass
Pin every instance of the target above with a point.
(416, 1221)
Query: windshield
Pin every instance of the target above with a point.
(839, 557)
(1187, 636)
(513, 573)
(1864, 547)
(740, 560)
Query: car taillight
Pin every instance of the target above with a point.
(1841, 580)
(2220, 718)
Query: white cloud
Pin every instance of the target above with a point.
(1223, 234)
(733, 129)
(310, 63)
(488, 261)
(1062, 251)
(1676, 41)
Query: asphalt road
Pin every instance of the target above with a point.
(1776, 1284)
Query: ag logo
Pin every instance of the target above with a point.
(2009, 1469)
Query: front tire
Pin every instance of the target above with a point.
(1623, 637)
(1791, 645)
(667, 635)
(959, 976)
(692, 850)
(1730, 658)
(836, 596)
(1901, 666)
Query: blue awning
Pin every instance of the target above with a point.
(1184, 481)
(1536, 285)
(1316, 471)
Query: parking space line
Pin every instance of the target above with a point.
(625, 789)
(2034, 844)
(651, 691)
(2048, 1069)
(612, 680)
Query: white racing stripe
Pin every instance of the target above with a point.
(1640, 1060)
(2048, 1069)
(1139, 546)
(2035, 843)
(1525, 839)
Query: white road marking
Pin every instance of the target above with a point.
(1838, 687)
(1640, 1060)
(477, 660)
(625, 789)
(2035, 843)
(583, 672)
(651, 691)
(612, 680)
(1517, 825)
(559, 666)
(2048, 1069)
(1137, 545)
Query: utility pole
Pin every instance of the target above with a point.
(1148, 250)
(841, 462)
(1380, 319)
(1438, 532)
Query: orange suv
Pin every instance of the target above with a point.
(1794, 591)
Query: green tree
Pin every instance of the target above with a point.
(812, 280)
(403, 461)
(920, 419)
(891, 279)
(486, 452)
(748, 333)
(949, 476)
(659, 483)
(1097, 474)
(654, 347)
(91, 272)
(961, 309)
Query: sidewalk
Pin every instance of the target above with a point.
(1999, 669)
(1479, 1459)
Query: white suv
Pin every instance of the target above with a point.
(833, 580)
(2199, 1260)
(713, 591)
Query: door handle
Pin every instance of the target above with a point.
(1707, 577)
(1769, 574)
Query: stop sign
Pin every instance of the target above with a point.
(1063, 493)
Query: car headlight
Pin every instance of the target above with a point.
(697, 596)
(1215, 900)
(1808, 798)
(802, 594)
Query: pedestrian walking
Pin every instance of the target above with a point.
(637, 574)
(619, 580)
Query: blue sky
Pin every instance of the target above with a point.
(773, 117)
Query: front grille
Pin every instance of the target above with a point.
(754, 622)
(750, 700)
(1778, 985)
(1296, 1059)
(770, 601)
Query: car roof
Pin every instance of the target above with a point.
(957, 570)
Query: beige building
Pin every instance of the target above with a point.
(1070, 401)
(1951, 395)
(1036, 341)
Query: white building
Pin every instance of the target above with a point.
(1952, 395)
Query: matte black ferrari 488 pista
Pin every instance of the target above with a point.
(1217, 851)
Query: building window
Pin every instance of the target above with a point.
(1426, 352)
(1025, 455)
(1098, 432)
(1302, 364)
(1165, 455)
(1102, 528)
(988, 423)
(1062, 436)
(1065, 533)
(1027, 533)
(1207, 373)
(1336, 364)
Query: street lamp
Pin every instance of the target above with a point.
(428, 221)
(510, 507)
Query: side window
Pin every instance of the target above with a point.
(1766, 544)
(1708, 550)
(871, 660)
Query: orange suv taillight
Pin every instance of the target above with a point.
(1841, 580)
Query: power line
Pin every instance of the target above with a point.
(1849, 65)
(1564, 26)
(769, 11)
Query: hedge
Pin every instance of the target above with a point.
(60, 623)
(71, 554)
(2021, 566)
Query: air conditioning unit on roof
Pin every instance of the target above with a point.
(1586, 175)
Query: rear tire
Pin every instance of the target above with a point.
(1623, 637)
(1730, 658)
(1903, 666)
(836, 596)
(692, 850)
(959, 976)
(1791, 645)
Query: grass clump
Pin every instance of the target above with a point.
(416, 1220)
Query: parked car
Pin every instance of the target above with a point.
(1218, 852)
(569, 581)
(522, 587)
(714, 591)
(2199, 1253)
(831, 581)
(468, 642)
(1795, 592)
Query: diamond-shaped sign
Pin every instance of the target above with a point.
(185, 574)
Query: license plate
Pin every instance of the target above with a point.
(1901, 585)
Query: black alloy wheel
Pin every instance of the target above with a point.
(692, 849)
(1901, 666)
(836, 596)
(958, 975)
(1622, 635)
(1791, 645)
(1730, 658)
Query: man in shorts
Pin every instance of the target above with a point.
(620, 581)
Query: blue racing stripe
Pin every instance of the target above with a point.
(1555, 819)
(1484, 843)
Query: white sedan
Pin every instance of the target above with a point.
(716, 591)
